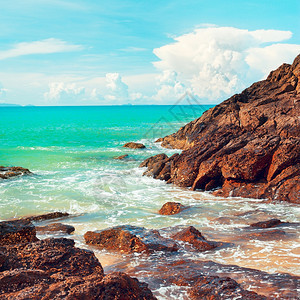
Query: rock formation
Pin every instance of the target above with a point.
(133, 145)
(247, 146)
(8, 172)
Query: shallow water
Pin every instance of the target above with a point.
(71, 150)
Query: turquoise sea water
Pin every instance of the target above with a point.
(70, 150)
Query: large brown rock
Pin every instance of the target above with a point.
(55, 269)
(8, 172)
(247, 146)
(129, 239)
(15, 232)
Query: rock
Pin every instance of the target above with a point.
(8, 172)
(49, 216)
(15, 232)
(267, 224)
(55, 269)
(129, 239)
(171, 208)
(133, 145)
(121, 157)
(193, 237)
(267, 235)
(247, 146)
(221, 288)
(149, 162)
(56, 227)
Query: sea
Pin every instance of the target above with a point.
(71, 151)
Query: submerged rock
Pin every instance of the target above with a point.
(48, 216)
(194, 237)
(247, 146)
(129, 239)
(15, 232)
(267, 224)
(56, 227)
(133, 145)
(121, 157)
(267, 235)
(171, 208)
(8, 172)
(220, 288)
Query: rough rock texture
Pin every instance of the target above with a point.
(55, 269)
(14, 232)
(220, 288)
(171, 208)
(247, 146)
(48, 216)
(128, 239)
(194, 237)
(133, 145)
(56, 227)
(7, 172)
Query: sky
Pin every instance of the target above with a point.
(61, 52)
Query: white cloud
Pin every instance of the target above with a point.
(2, 92)
(117, 89)
(46, 46)
(219, 61)
(64, 93)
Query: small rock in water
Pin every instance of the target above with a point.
(8, 172)
(133, 145)
(267, 235)
(121, 157)
(49, 216)
(129, 239)
(267, 224)
(171, 208)
(194, 237)
(56, 227)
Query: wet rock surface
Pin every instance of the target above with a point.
(56, 227)
(56, 269)
(221, 288)
(267, 224)
(14, 232)
(194, 237)
(8, 172)
(247, 146)
(48, 216)
(171, 208)
(133, 145)
(129, 239)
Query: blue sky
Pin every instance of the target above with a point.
(60, 52)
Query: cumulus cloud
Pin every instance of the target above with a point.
(117, 89)
(170, 88)
(219, 61)
(64, 93)
(46, 46)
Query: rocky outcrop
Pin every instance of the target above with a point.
(247, 146)
(267, 224)
(133, 145)
(194, 237)
(8, 172)
(129, 239)
(171, 208)
(56, 269)
(56, 227)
